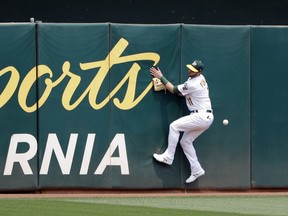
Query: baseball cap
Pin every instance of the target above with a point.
(196, 66)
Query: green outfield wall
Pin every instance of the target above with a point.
(78, 110)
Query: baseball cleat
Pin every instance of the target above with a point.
(162, 159)
(194, 176)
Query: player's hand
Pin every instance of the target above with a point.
(156, 72)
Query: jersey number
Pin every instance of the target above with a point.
(190, 101)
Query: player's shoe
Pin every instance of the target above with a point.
(161, 158)
(194, 176)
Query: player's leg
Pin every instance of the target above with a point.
(174, 132)
(179, 125)
(187, 144)
(196, 122)
(173, 137)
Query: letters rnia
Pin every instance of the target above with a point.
(64, 160)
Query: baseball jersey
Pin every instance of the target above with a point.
(196, 92)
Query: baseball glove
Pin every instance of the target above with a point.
(158, 85)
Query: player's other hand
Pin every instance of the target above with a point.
(156, 72)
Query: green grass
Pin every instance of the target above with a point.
(140, 206)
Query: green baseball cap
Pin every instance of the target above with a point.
(196, 66)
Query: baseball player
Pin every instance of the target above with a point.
(196, 92)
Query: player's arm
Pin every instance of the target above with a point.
(171, 88)
(156, 72)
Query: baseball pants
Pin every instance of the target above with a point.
(192, 126)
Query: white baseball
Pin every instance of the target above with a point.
(225, 122)
(31, 19)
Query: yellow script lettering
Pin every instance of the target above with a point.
(32, 78)
(114, 58)
(11, 85)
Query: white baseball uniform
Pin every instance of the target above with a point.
(196, 93)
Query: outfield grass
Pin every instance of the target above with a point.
(140, 206)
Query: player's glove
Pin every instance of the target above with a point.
(158, 85)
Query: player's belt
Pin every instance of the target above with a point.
(199, 111)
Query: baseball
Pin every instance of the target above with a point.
(31, 19)
(225, 122)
